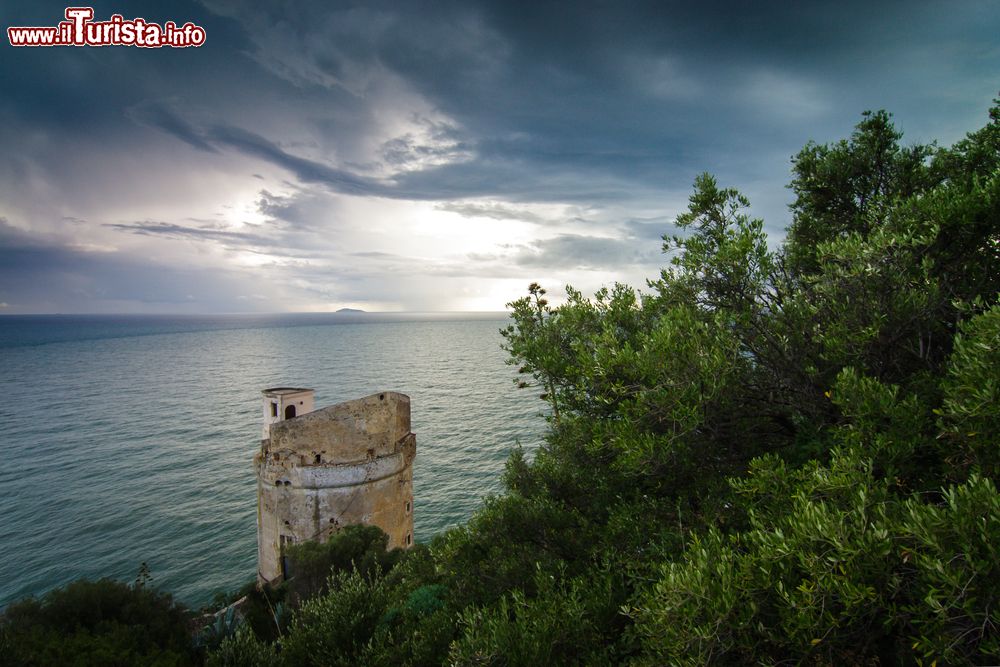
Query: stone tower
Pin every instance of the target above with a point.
(320, 470)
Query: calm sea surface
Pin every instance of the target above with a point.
(130, 439)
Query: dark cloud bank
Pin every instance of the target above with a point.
(579, 127)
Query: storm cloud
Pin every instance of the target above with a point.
(434, 156)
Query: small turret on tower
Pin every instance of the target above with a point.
(281, 403)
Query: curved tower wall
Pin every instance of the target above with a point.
(349, 463)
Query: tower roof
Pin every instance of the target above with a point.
(286, 391)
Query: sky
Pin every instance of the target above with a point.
(437, 156)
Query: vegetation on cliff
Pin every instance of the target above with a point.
(773, 454)
(95, 624)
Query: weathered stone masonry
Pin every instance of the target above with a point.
(318, 471)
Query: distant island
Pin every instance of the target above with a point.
(350, 310)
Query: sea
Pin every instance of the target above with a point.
(129, 439)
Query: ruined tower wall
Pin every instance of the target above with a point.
(346, 464)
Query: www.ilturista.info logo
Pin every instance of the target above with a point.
(80, 30)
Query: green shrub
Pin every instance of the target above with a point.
(98, 623)
(573, 622)
(838, 571)
(243, 649)
(354, 547)
(336, 627)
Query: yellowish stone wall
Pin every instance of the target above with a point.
(350, 463)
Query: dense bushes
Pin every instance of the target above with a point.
(841, 573)
(97, 623)
(818, 423)
(361, 548)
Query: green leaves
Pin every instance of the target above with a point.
(334, 628)
(956, 556)
(846, 563)
(848, 187)
(566, 622)
(834, 361)
(725, 263)
(97, 623)
(358, 547)
(243, 649)
(970, 411)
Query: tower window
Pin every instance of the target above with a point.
(407, 506)
(289, 412)
(274, 409)
(318, 459)
(408, 540)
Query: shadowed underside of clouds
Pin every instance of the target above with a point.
(505, 176)
(266, 241)
(551, 104)
(587, 252)
(43, 275)
(50, 277)
(463, 146)
(172, 230)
